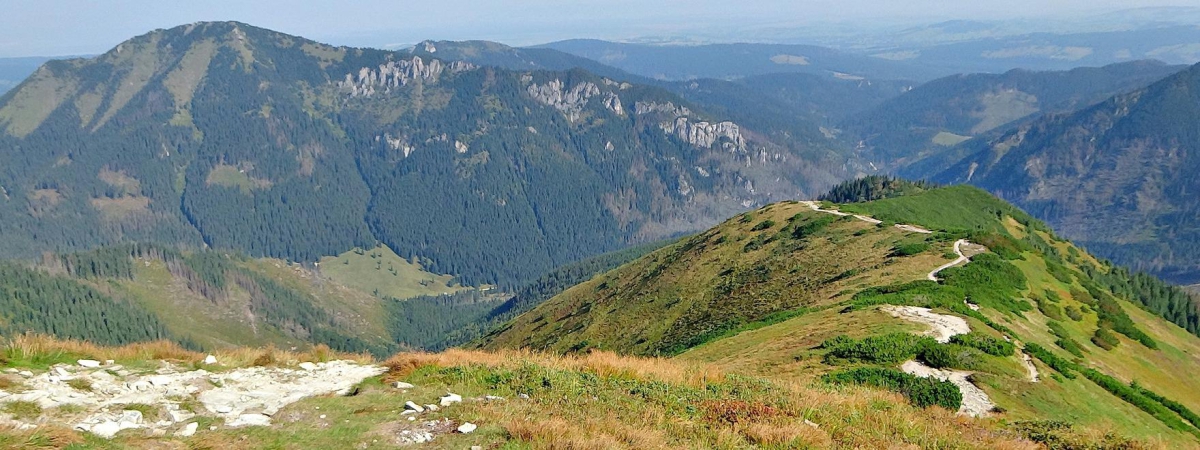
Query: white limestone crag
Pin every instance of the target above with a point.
(572, 101)
(394, 74)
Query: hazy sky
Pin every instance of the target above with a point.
(64, 27)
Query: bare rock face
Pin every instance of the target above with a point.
(704, 134)
(572, 101)
(394, 74)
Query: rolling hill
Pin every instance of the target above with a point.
(799, 291)
(1116, 177)
(235, 137)
(731, 61)
(932, 118)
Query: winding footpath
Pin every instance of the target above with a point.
(962, 259)
(815, 206)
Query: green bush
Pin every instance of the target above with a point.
(1061, 365)
(1105, 339)
(922, 392)
(763, 225)
(1135, 398)
(952, 356)
(985, 343)
(1074, 313)
(882, 349)
(1183, 411)
(1054, 312)
(990, 281)
(909, 249)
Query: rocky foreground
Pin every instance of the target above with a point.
(108, 398)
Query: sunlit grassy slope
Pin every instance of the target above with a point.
(751, 297)
(382, 272)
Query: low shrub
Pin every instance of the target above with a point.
(1074, 313)
(1058, 364)
(987, 344)
(883, 349)
(1105, 339)
(922, 392)
(909, 249)
(1051, 310)
(952, 356)
(763, 225)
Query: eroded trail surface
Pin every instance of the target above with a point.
(975, 402)
(871, 220)
(962, 259)
(242, 397)
(942, 327)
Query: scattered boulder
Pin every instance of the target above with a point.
(308, 366)
(414, 407)
(25, 374)
(450, 399)
(402, 385)
(467, 427)
(89, 363)
(210, 360)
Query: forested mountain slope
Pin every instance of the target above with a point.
(935, 116)
(230, 136)
(1118, 177)
(793, 292)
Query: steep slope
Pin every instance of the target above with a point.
(13, 70)
(236, 137)
(935, 116)
(729, 61)
(805, 292)
(1116, 177)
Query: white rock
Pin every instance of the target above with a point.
(131, 416)
(308, 366)
(210, 360)
(109, 362)
(322, 416)
(10, 370)
(179, 415)
(105, 429)
(467, 427)
(493, 397)
(26, 374)
(251, 420)
(89, 363)
(187, 430)
(224, 409)
(431, 407)
(408, 412)
(450, 399)
(402, 385)
(414, 407)
(61, 371)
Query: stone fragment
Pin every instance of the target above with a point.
(467, 427)
(89, 363)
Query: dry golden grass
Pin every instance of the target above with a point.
(599, 362)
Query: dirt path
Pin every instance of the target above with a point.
(942, 327)
(813, 205)
(975, 402)
(1028, 361)
(962, 259)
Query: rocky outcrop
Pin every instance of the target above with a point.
(394, 74)
(571, 102)
(243, 397)
(677, 121)
(399, 143)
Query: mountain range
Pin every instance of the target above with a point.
(230, 136)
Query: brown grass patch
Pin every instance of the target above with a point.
(46, 436)
(733, 412)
